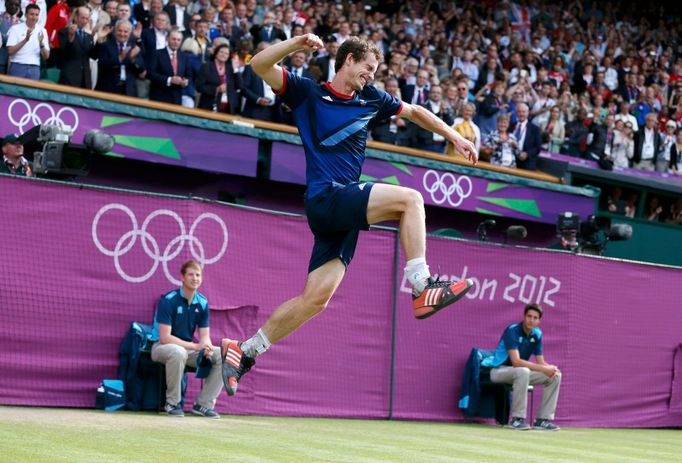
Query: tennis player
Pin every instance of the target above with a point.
(333, 120)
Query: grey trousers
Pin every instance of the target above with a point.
(143, 86)
(647, 164)
(520, 378)
(175, 358)
(662, 165)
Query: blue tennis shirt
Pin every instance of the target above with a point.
(183, 316)
(515, 338)
(333, 127)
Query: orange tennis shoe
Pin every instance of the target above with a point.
(439, 294)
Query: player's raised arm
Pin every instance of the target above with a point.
(265, 62)
(430, 121)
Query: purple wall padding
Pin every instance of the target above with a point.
(612, 327)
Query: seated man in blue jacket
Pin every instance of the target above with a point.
(178, 315)
(511, 364)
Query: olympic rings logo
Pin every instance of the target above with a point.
(151, 246)
(43, 113)
(447, 187)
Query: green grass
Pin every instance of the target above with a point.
(35, 435)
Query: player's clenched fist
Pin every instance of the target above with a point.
(311, 42)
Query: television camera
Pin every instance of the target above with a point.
(55, 156)
(589, 236)
(517, 232)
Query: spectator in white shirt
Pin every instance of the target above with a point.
(625, 116)
(647, 144)
(610, 74)
(95, 9)
(344, 33)
(26, 43)
(623, 144)
(468, 68)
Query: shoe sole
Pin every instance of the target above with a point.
(229, 380)
(519, 429)
(545, 429)
(434, 309)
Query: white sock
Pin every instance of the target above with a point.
(417, 273)
(256, 344)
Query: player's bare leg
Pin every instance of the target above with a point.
(238, 358)
(319, 289)
(390, 202)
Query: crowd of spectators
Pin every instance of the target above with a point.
(594, 79)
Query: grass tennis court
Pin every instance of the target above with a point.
(35, 435)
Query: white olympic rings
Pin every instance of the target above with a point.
(447, 187)
(150, 245)
(43, 113)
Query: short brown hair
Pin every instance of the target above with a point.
(190, 263)
(535, 307)
(358, 48)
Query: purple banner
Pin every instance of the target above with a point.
(137, 138)
(613, 328)
(594, 165)
(448, 189)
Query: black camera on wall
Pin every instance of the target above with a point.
(589, 236)
(55, 156)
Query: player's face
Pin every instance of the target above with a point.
(531, 320)
(362, 72)
(191, 280)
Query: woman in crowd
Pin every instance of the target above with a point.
(500, 146)
(219, 81)
(553, 133)
(623, 144)
(465, 126)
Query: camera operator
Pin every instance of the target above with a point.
(13, 160)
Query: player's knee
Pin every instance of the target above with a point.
(315, 303)
(557, 377)
(414, 200)
(521, 373)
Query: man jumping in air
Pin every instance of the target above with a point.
(333, 120)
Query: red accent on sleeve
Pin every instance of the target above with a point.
(400, 109)
(280, 92)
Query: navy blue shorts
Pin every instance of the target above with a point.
(336, 216)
